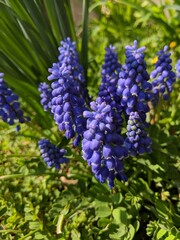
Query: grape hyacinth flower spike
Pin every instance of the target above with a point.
(10, 111)
(137, 140)
(46, 95)
(133, 86)
(135, 92)
(163, 76)
(102, 147)
(68, 94)
(110, 72)
(52, 155)
(107, 90)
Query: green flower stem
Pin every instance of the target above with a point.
(29, 234)
(10, 231)
(59, 224)
(149, 177)
(158, 109)
(9, 176)
(21, 156)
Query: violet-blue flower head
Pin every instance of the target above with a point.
(133, 86)
(46, 95)
(163, 76)
(111, 67)
(135, 92)
(10, 111)
(102, 146)
(68, 92)
(52, 155)
(107, 91)
(68, 64)
(137, 140)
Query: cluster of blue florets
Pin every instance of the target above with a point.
(134, 90)
(137, 140)
(163, 76)
(102, 146)
(52, 155)
(68, 92)
(133, 86)
(110, 72)
(46, 96)
(123, 98)
(10, 111)
(107, 90)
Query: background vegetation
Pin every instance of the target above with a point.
(37, 202)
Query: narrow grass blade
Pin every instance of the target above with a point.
(84, 47)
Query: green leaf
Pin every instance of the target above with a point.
(154, 167)
(103, 222)
(136, 225)
(170, 237)
(39, 235)
(120, 232)
(176, 218)
(34, 225)
(53, 19)
(84, 47)
(162, 209)
(75, 235)
(178, 235)
(131, 232)
(161, 233)
(30, 217)
(120, 215)
(144, 188)
(103, 211)
(174, 230)
(24, 170)
(117, 198)
(3, 210)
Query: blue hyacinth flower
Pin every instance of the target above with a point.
(10, 110)
(68, 92)
(52, 155)
(163, 77)
(46, 96)
(102, 146)
(107, 90)
(137, 140)
(134, 87)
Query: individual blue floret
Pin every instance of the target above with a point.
(103, 148)
(10, 111)
(46, 95)
(68, 92)
(178, 69)
(133, 86)
(163, 77)
(52, 155)
(137, 140)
